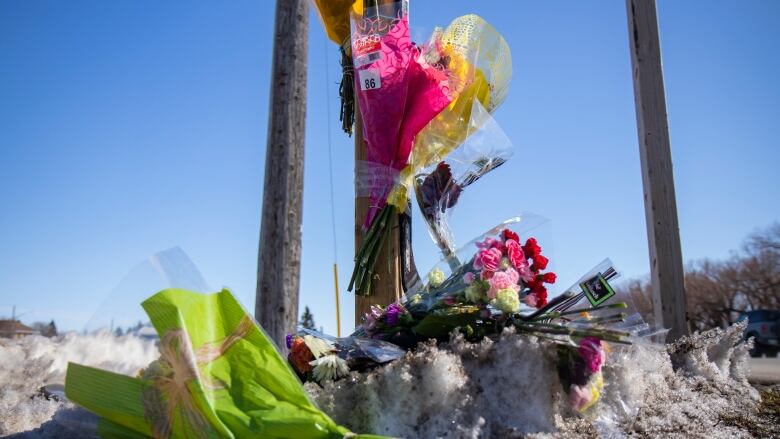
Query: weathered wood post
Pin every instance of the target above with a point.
(663, 232)
(387, 272)
(279, 260)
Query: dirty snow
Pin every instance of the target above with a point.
(502, 388)
(510, 388)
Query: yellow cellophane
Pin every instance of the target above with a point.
(335, 17)
(481, 64)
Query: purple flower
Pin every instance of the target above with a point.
(289, 341)
(392, 313)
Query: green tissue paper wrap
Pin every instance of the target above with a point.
(218, 376)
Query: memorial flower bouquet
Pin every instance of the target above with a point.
(498, 280)
(579, 368)
(503, 273)
(445, 81)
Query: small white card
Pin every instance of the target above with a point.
(369, 79)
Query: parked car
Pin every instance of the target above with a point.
(764, 327)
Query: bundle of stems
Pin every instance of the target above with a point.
(543, 324)
(559, 329)
(367, 255)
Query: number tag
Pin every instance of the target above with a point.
(369, 79)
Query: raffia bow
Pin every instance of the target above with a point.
(168, 379)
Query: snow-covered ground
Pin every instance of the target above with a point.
(509, 388)
(28, 364)
(503, 388)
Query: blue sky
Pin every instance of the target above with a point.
(130, 127)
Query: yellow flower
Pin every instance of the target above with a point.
(506, 300)
(475, 292)
(436, 277)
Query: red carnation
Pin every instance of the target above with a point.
(533, 283)
(300, 356)
(541, 295)
(531, 248)
(540, 262)
(508, 234)
(549, 278)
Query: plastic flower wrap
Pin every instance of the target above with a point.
(438, 187)
(382, 53)
(335, 17)
(319, 357)
(504, 269)
(480, 287)
(498, 280)
(481, 63)
(401, 88)
(593, 290)
(218, 375)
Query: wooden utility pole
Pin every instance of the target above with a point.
(663, 232)
(279, 260)
(386, 287)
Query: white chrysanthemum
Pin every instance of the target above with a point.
(329, 367)
(319, 347)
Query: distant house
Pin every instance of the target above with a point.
(15, 329)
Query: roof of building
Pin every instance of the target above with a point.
(15, 326)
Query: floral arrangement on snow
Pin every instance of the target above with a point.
(480, 296)
(579, 368)
(506, 273)
(502, 284)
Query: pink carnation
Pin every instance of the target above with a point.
(530, 300)
(592, 353)
(488, 259)
(515, 253)
(468, 278)
(500, 281)
(579, 396)
(525, 272)
(513, 275)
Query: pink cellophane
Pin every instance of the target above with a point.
(410, 95)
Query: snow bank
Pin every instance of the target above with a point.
(32, 362)
(510, 388)
(493, 389)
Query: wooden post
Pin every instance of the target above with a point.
(666, 265)
(279, 260)
(387, 273)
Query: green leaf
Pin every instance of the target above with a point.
(441, 322)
